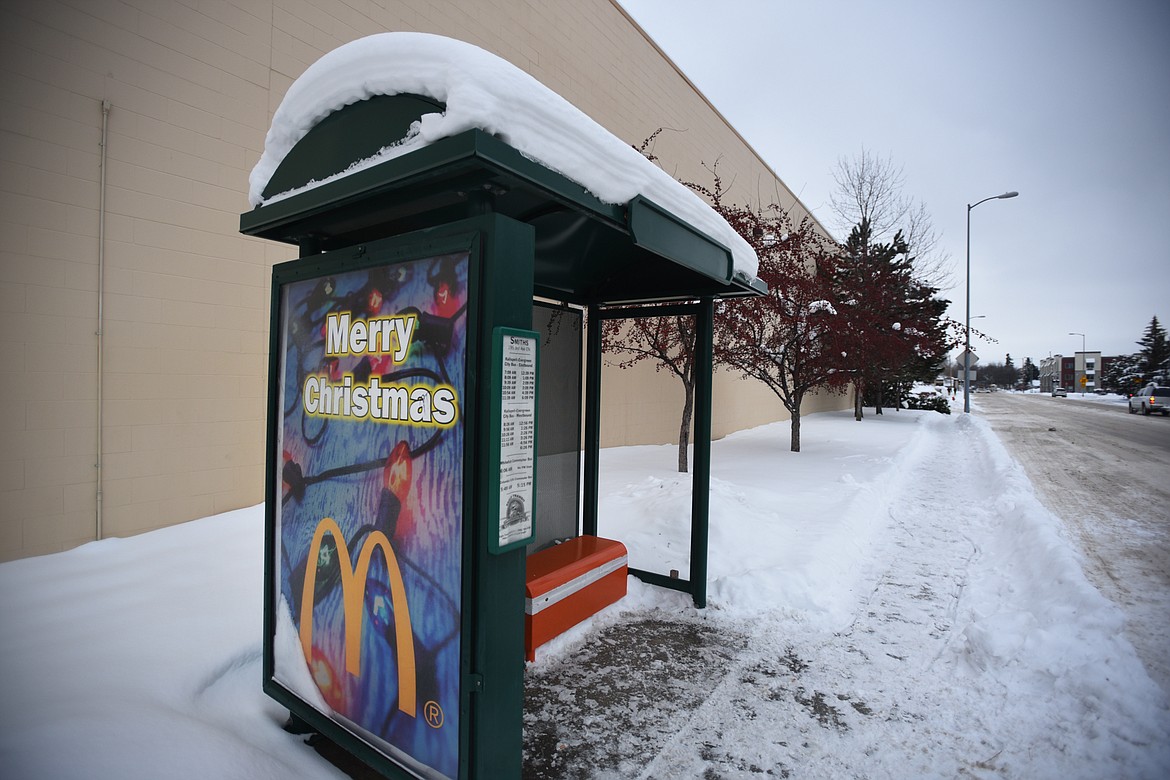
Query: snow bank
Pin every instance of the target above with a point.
(480, 90)
(141, 658)
(1031, 621)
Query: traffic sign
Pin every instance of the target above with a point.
(959, 359)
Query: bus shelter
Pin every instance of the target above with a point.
(406, 413)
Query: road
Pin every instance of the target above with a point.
(1106, 473)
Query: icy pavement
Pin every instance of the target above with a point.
(626, 690)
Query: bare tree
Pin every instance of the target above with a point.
(871, 188)
(931, 261)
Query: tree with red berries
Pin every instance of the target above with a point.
(785, 339)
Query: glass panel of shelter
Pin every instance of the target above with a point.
(558, 441)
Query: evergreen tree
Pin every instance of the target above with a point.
(1010, 374)
(1124, 374)
(1030, 371)
(892, 328)
(1154, 352)
(866, 282)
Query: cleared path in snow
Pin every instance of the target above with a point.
(873, 699)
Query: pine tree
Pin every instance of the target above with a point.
(892, 327)
(1030, 371)
(1010, 374)
(1154, 352)
(867, 278)
(1124, 374)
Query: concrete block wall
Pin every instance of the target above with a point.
(192, 85)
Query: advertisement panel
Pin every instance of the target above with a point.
(366, 577)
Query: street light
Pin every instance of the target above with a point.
(967, 349)
(1083, 363)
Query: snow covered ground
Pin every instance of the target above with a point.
(893, 601)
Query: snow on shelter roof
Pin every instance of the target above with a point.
(480, 91)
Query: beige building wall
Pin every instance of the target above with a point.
(192, 85)
(635, 416)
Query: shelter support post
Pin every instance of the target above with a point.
(592, 444)
(701, 478)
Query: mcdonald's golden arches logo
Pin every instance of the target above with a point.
(353, 591)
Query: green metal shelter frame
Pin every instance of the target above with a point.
(617, 261)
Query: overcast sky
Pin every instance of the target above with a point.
(1066, 101)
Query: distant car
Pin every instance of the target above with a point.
(1059, 391)
(1151, 398)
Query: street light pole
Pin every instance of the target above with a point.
(967, 345)
(969, 318)
(1084, 362)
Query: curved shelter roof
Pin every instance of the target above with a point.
(351, 158)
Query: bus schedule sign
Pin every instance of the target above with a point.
(515, 357)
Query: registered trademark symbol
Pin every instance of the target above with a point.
(433, 714)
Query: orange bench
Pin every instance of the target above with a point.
(569, 582)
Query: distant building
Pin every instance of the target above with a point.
(1068, 371)
(1049, 373)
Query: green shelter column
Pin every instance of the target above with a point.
(701, 478)
(592, 421)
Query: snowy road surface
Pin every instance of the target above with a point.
(1106, 473)
(860, 625)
